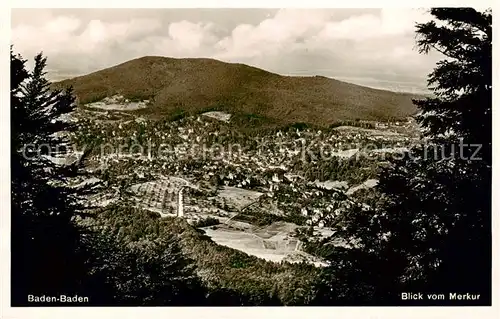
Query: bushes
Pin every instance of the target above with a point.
(300, 126)
(136, 97)
(141, 272)
(94, 97)
(240, 261)
(209, 221)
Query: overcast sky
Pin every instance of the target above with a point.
(373, 47)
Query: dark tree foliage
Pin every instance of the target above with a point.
(45, 240)
(132, 261)
(141, 273)
(432, 229)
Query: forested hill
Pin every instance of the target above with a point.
(197, 85)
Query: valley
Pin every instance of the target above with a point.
(252, 191)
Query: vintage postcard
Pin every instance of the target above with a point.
(250, 157)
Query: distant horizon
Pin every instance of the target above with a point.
(373, 47)
(361, 81)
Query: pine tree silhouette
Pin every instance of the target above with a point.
(51, 253)
(432, 231)
(45, 240)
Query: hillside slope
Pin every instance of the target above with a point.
(196, 85)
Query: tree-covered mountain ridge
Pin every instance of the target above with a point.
(195, 85)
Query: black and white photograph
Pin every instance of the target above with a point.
(250, 157)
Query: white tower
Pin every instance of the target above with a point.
(180, 203)
(150, 157)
